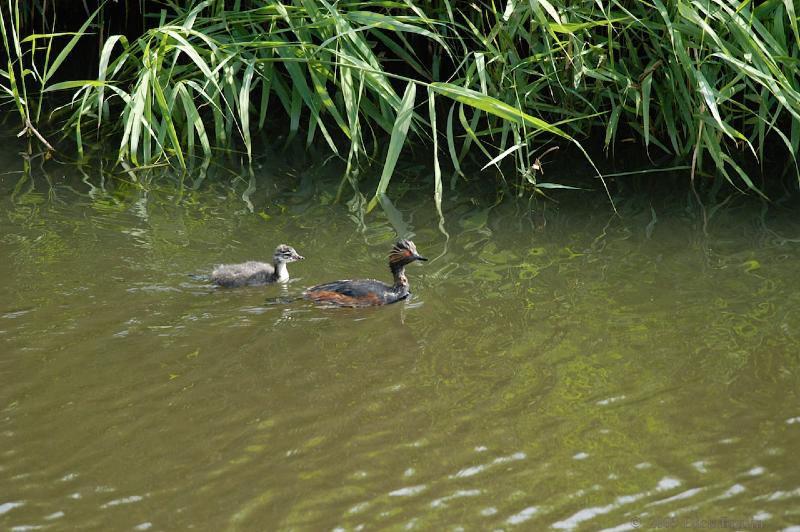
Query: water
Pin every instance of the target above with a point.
(557, 368)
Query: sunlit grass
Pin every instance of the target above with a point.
(707, 81)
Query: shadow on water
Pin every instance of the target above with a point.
(557, 366)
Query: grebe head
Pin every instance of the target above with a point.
(284, 253)
(404, 252)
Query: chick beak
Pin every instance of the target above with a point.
(419, 257)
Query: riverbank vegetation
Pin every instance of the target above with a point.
(711, 84)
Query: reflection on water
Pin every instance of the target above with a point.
(562, 368)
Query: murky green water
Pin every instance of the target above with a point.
(565, 369)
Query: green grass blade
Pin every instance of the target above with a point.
(451, 144)
(495, 107)
(75, 84)
(13, 87)
(65, 52)
(166, 114)
(194, 119)
(105, 57)
(647, 84)
(399, 132)
(437, 171)
(266, 85)
(502, 155)
(244, 108)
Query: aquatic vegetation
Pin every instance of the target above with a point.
(705, 82)
(25, 77)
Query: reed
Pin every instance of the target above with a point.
(32, 61)
(710, 82)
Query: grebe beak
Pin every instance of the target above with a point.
(419, 257)
(295, 256)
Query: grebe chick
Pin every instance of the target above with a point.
(256, 273)
(369, 292)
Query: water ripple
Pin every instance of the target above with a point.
(523, 515)
(8, 506)
(578, 375)
(408, 491)
(121, 501)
